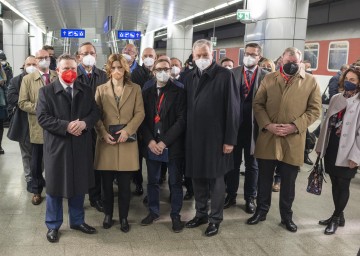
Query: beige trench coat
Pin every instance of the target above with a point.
(349, 145)
(28, 97)
(299, 103)
(121, 156)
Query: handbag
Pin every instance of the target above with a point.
(316, 178)
(117, 127)
(325, 99)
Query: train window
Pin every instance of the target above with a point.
(338, 55)
(214, 55)
(241, 56)
(222, 54)
(311, 53)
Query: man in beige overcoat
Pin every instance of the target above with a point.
(287, 103)
(28, 97)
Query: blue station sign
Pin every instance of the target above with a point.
(73, 33)
(126, 34)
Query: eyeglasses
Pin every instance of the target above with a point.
(162, 69)
(87, 53)
(43, 58)
(252, 55)
(130, 52)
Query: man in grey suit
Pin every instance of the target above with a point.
(248, 77)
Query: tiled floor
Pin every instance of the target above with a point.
(22, 228)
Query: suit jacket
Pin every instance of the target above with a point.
(172, 114)
(28, 97)
(141, 75)
(121, 156)
(239, 78)
(68, 159)
(98, 77)
(298, 102)
(349, 145)
(19, 125)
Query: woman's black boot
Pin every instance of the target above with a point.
(332, 226)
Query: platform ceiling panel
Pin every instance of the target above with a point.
(127, 14)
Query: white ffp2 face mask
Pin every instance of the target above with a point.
(44, 64)
(249, 61)
(162, 76)
(175, 70)
(127, 57)
(89, 60)
(149, 61)
(202, 64)
(30, 69)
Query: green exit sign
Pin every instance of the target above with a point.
(242, 14)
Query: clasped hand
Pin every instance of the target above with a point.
(281, 129)
(76, 127)
(156, 148)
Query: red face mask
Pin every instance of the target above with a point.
(69, 76)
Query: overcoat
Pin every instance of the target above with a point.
(298, 102)
(349, 145)
(121, 156)
(213, 111)
(28, 97)
(68, 159)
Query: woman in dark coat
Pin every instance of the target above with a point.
(3, 105)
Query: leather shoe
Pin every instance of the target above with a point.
(327, 222)
(196, 221)
(98, 205)
(124, 225)
(149, 219)
(85, 228)
(52, 235)
(256, 218)
(212, 229)
(139, 190)
(332, 226)
(108, 222)
(36, 199)
(290, 225)
(188, 195)
(250, 206)
(307, 159)
(276, 187)
(229, 201)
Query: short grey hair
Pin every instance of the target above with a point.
(201, 43)
(293, 51)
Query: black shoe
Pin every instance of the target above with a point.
(29, 186)
(307, 159)
(327, 222)
(148, 220)
(108, 222)
(145, 200)
(124, 225)
(188, 195)
(98, 205)
(256, 218)
(332, 226)
(250, 206)
(85, 228)
(177, 224)
(2, 151)
(196, 221)
(52, 235)
(229, 201)
(290, 225)
(139, 190)
(212, 229)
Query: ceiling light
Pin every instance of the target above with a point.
(21, 15)
(216, 19)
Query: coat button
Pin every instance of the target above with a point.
(347, 123)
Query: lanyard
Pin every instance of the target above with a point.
(252, 79)
(157, 116)
(285, 77)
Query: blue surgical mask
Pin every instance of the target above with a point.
(349, 86)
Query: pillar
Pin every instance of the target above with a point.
(179, 41)
(147, 40)
(279, 24)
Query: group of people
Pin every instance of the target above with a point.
(92, 128)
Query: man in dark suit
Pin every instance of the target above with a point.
(19, 126)
(164, 129)
(89, 74)
(248, 77)
(66, 110)
(213, 113)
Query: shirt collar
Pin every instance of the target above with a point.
(250, 69)
(65, 85)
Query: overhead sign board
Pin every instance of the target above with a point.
(243, 14)
(73, 33)
(108, 24)
(126, 34)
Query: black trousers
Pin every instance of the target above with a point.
(213, 189)
(138, 177)
(288, 175)
(95, 192)
(36, 166)
(340, 193)
(124, 192)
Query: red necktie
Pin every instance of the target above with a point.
(47, 78)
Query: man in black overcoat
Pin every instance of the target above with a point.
(213, 114)
(67, 111)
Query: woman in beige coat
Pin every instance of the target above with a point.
(121, 103)
(339, 144)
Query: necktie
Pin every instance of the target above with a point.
(69, 91)
(47, 78)
(89, 75)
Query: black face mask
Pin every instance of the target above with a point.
(290, 68)
(267, 69)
